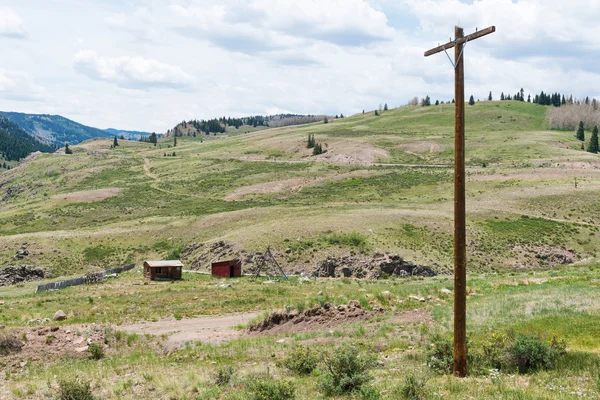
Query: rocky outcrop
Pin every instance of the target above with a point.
(376, 267)
(12, 275)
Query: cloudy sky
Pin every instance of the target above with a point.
(147, 64)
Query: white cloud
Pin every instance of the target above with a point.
(19, 86)
(267, 25)
(11, 24)
(131, 72)
(245, 57)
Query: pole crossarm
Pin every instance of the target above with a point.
(462, 40)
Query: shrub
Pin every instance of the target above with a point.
(301, 360)
(369, 393)
(267, 388)
(413, 388)
(224, 375)
(74, 390)
(496, 350)
(96, 351)
(530, 353)
(9, 344)
(346, 370)
(440, 355)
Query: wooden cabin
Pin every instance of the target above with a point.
(167, 269)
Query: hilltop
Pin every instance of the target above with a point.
(56, 130)
(383, 184)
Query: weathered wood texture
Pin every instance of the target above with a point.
(460, 247)
(462, 40)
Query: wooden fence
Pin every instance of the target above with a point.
(93, 277)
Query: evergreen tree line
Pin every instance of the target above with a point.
(153, 138)
(548, 99)
(16, 144)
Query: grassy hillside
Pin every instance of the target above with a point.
(56, 130)
(383, 185)
(387, 179)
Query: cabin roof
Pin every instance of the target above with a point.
(163, 263)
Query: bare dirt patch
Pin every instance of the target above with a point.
(208, 329)
(88, 195)
(45, 343)
(416, 316)
(288, 185)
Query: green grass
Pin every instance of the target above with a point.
(133, 365)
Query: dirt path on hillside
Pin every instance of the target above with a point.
(364, 163)
(157, 180)
(208, 329)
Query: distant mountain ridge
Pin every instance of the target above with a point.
(57, 130)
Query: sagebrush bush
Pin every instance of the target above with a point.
(345, 370)
(413, 388)
(267, 388)
(301, 360)
(224, 375)
(369, 393)
(502, 351)
(440, 355)
(531, 353)
(96, 351)
(74, 389)
(9, 344)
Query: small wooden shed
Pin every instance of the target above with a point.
(166, 269)
(227, 269)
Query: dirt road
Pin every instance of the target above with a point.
(208, 329)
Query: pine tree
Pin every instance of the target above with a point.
(115, 142)
(580, 132)
(376, 113)
(593, 145)
(471, 101)
(490, 96)
(529, 98)
(341, 115)
(521, 95)
(326, 120)
(174, 154)
(311, 142)
(122, 137)
(385, 107)
(437, 102)
(67, 149)
(317, 149)
(175, 141)
(502, 96)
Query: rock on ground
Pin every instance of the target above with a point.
(59, 316)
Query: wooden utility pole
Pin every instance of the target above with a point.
(460, 246)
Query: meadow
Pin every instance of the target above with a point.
(384, 185)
